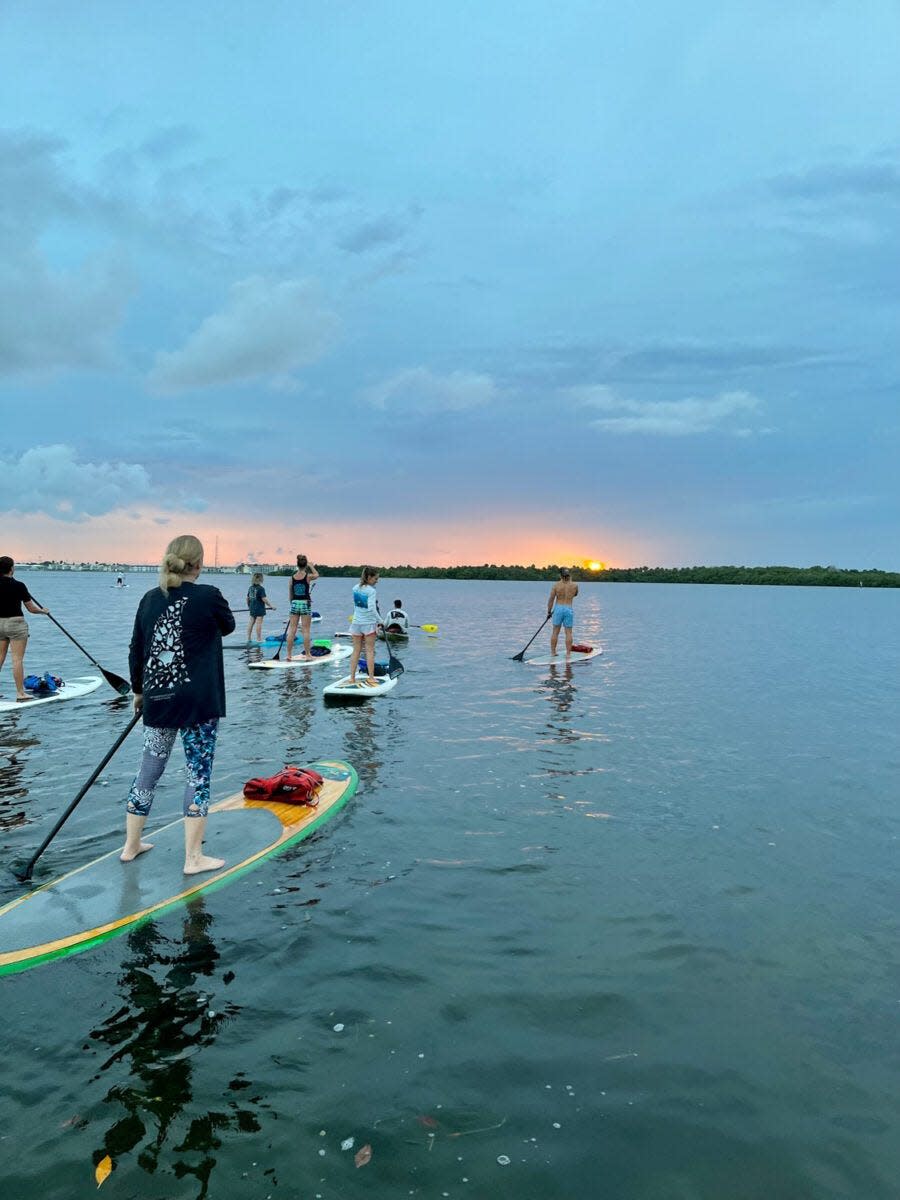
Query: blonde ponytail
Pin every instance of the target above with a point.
(183, 555)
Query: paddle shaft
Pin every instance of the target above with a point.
(122, 686)
(25, 874)
(393, 663)
(518, 657)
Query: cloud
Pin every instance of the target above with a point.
(416, 389)
(688, 360)
(829, 181)
(169, 141)
(266, 328)
(725, 413)
(48, 479)
(380, 231)
(51, 317)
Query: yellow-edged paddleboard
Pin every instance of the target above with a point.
(106, 897)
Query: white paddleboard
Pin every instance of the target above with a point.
(343, 689)
(274, 664)
(71, 690)
(560, 660)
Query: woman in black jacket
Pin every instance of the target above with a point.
(178, 680)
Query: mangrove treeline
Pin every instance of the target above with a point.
(789, 576)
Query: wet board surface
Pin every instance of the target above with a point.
(560, 660)
(275, 664)
(342, 689)
(81, 685)
(106, 897)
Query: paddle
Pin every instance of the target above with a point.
(25, 873)
(427, 628)
(395, 666)
(122, 686)
(518, 657)
(277, 655)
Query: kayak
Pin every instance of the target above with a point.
(393, 634)
(343, 689)
(560, 660)
(275, 664)
(106, 897)
(72, 689)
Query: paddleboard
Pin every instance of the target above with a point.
(106, 897)
(81, 685)
(560, 660)
(392, 635)
(275, 664)
(343, 689)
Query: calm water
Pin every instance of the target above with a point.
(631, 926)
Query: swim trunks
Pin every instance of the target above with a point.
(563, 615)
(300, 608)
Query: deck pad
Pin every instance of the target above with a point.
(560, 660)
(273, 664)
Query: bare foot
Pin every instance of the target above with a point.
(128, 855)
(370, 682)
(201, 863)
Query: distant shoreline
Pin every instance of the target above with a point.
(770, 576)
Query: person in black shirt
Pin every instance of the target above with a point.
(13, 626)
(300, 591)
(178, 680)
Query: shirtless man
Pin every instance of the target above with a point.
(559, 607)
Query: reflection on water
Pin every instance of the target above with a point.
(165, 1019)
(14, 743)
(560, 690)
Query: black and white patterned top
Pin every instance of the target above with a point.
(175, 657)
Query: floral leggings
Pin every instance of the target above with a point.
(199, 743)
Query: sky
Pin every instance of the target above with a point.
(443, 283)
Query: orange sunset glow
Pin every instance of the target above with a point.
(141, 537)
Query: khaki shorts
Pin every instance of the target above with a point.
(14, 629)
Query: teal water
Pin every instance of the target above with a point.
(627, 929)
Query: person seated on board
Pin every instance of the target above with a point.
(178, 679)
(300, 592)
(257, 603)
(397, 620)
(13, 626)
(559, 607)
(120, 582)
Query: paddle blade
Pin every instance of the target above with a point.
(277, 655)
(122, 686)
(429, 628)
(518, 657)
